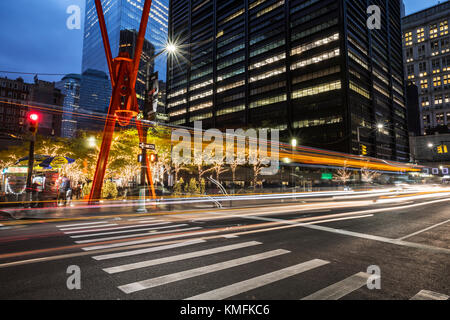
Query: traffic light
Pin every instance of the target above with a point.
(363, 150)
(33, 121)
(442, 149)
(153, 158)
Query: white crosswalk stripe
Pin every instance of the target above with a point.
(145, 218)
(257, 282)
(118, 228)
(89, 227)
(147, 250)
(128, 243)
(81, 224)
(127, 231)
(155, 282)
(430, 295)
(341, 288)
(135, 235)
(180, 257)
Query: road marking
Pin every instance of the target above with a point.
(118, 228)
(135, 235)
(313, 225)
(155, 282)
(127, 243)
(423, 230)
(142, 251)
(341, 288)
(429, 295)
(180, 257)
(257, 282)
(230, 236)
(80, 224)
(137, 219)
(90, 227)
(127, 231)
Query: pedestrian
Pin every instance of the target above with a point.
(63, 190)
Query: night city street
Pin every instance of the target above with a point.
(213, 159)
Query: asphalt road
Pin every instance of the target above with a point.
(325, 249)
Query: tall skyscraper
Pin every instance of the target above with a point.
(426, 45)
(123, 15)
(70, 88)
(95, 91)
(311, 68)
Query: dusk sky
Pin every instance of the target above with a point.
(35, 38)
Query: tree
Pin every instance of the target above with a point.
(178, 187)
(343, 175)
(200, 164)
(368, 175)
(233, 167)
(218, 167)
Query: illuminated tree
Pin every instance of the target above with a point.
(368, 175)
(343, 175)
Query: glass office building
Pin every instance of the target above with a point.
(122, 20)
(311, 68)
(70, 88)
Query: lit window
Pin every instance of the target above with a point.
(443, 28)
(408, 38)
(424, 84)
(315, 59)
(308, 46)
(335, 85)
(267, 61)
(433, 31)
(420, 35)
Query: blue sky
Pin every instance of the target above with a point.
(35, 38)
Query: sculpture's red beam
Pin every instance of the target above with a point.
(123, 104)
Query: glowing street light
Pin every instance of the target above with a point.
(430, 145)
(171, 48)
(380, 126)
(92, 142)
(294, 142)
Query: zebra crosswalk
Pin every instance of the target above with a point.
(205, 257)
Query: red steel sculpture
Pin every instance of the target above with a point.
(123, 105)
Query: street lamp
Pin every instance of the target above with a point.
(430, 145)
(380, 126)
(294, 142)
(92, 143)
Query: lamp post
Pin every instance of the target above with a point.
(294, 143)
(379, 127)
(151, 89)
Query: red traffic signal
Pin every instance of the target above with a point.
(153, 158)
(34, 117)
(33, 122)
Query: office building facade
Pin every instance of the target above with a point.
(426, 46)
(312, 69)
(95, 91)
(18, 99)
(70, 88)
(123, 15)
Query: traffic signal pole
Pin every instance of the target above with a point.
(30, 168)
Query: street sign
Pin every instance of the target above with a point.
(147, 146)
(327, 176)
